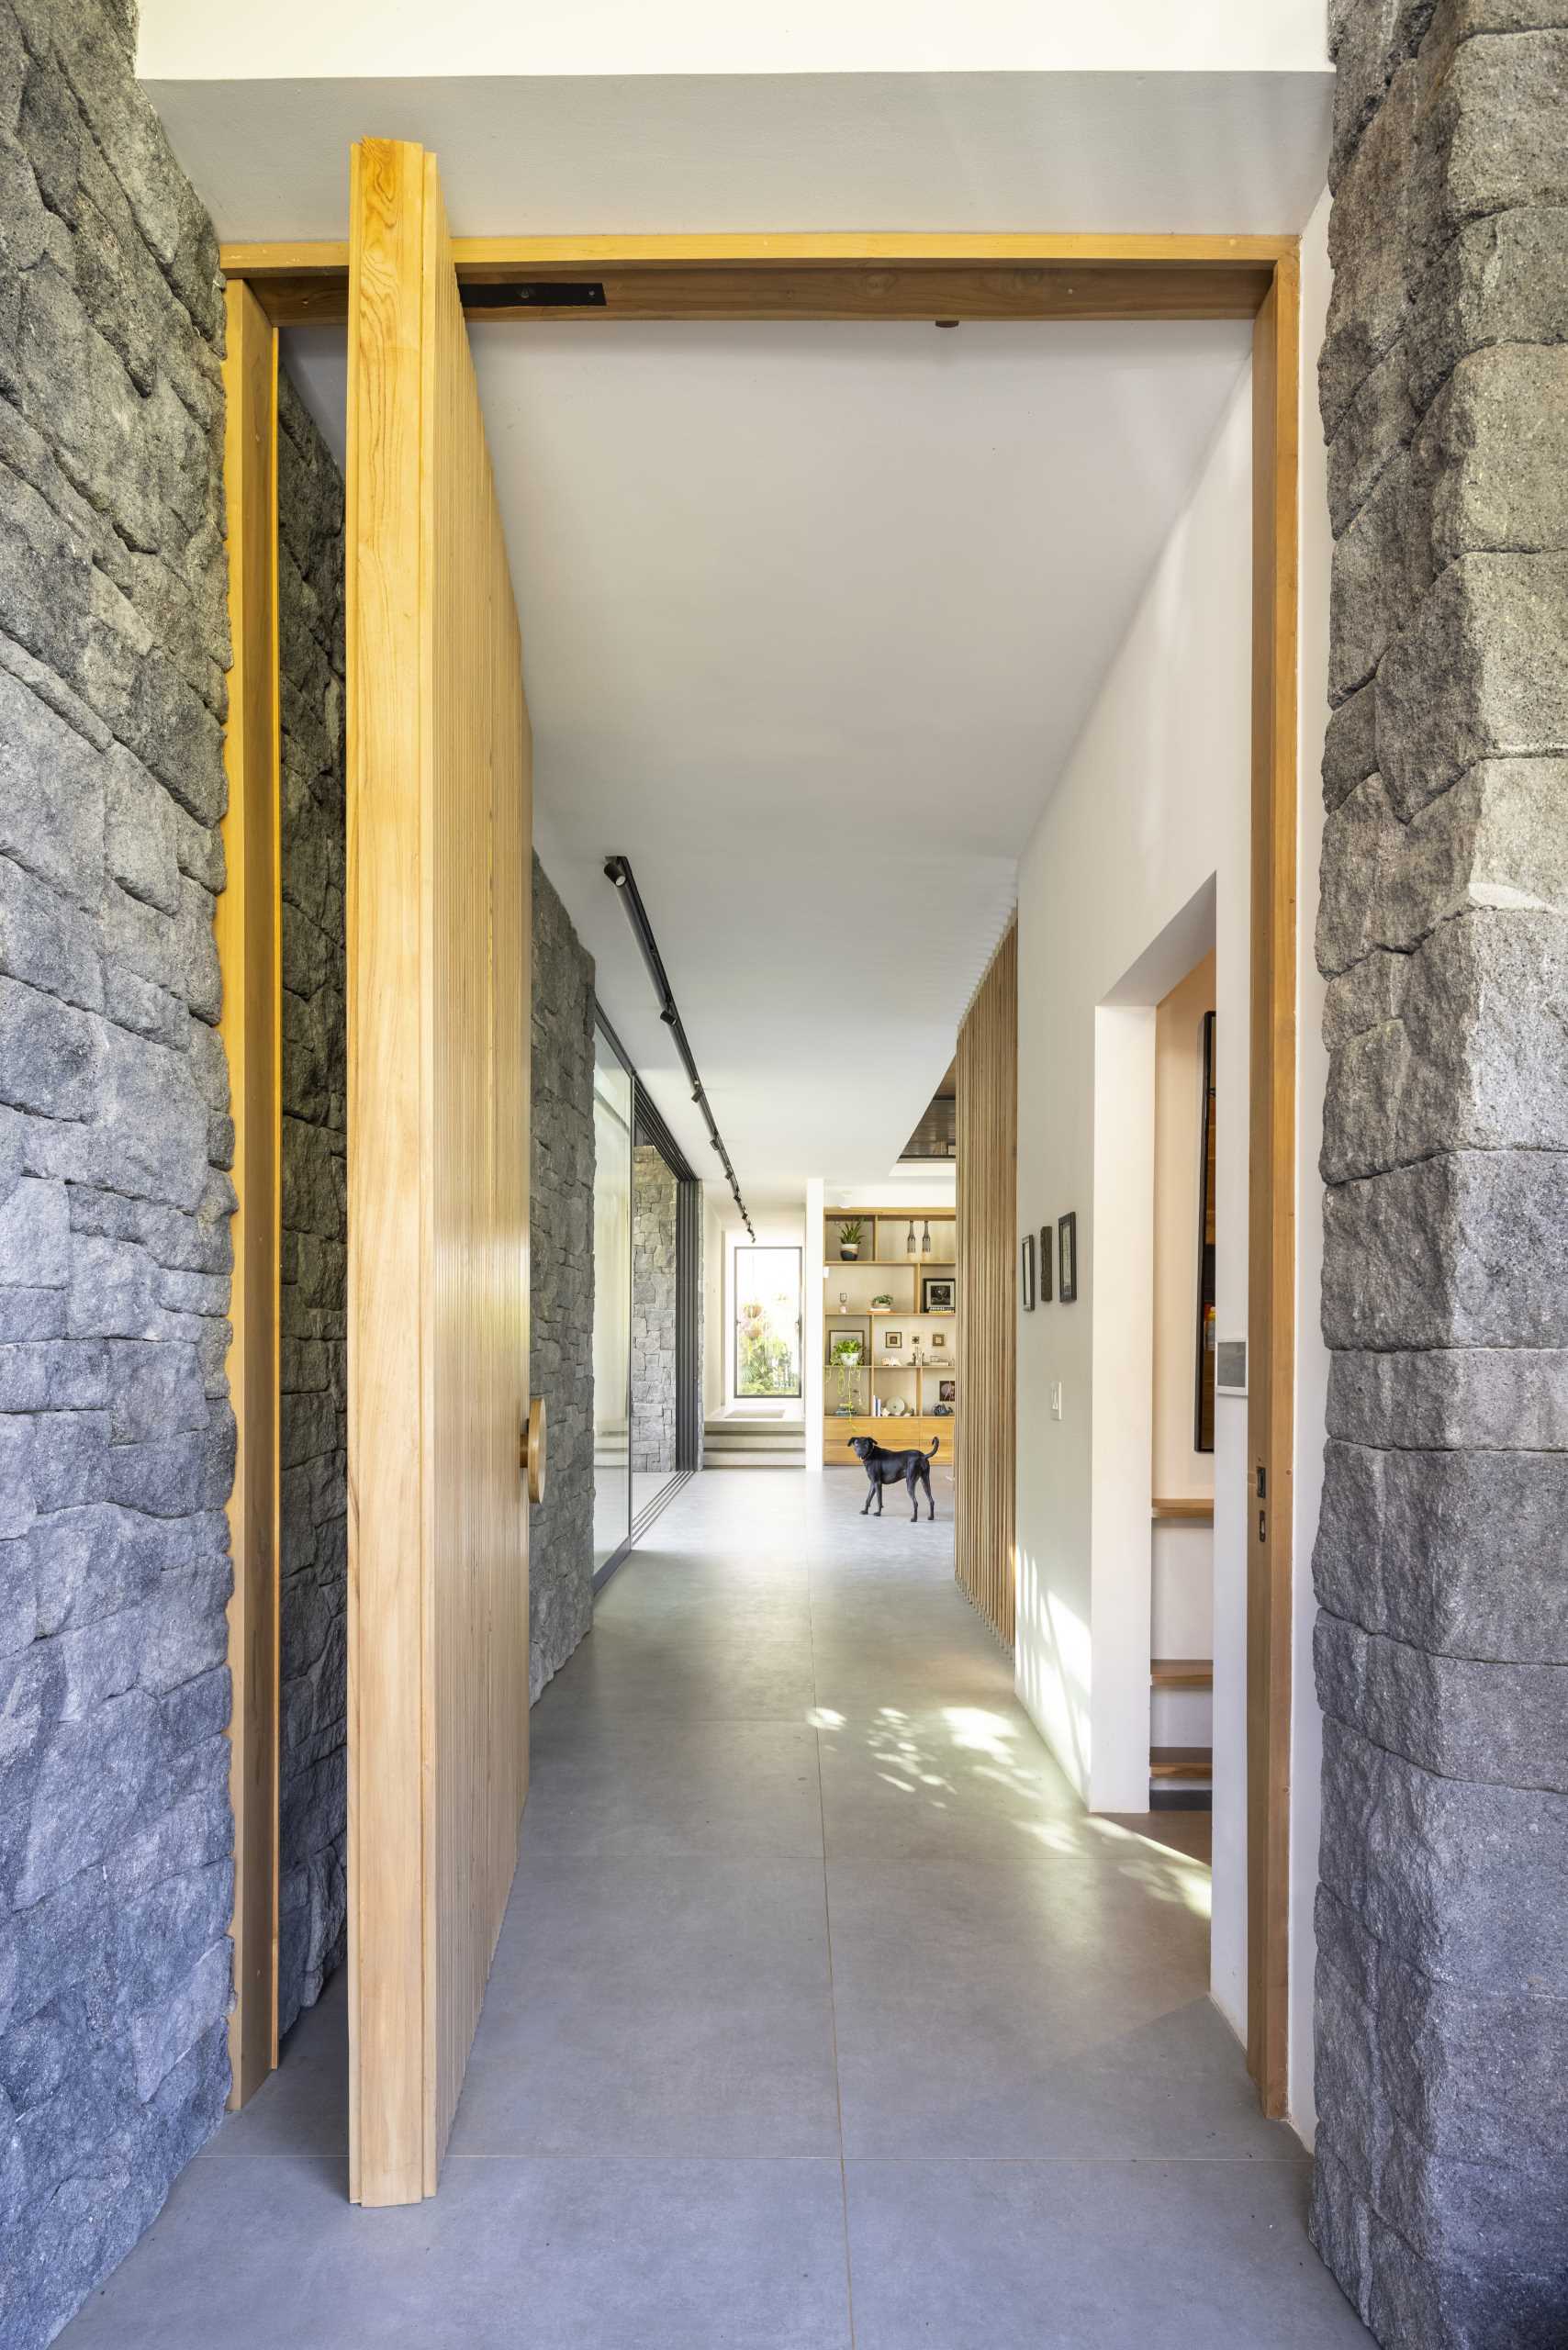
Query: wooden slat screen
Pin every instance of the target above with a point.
(985, 1435)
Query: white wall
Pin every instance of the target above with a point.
(1138, 864)
(1312, 1079)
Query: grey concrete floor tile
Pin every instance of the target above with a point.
(964, 1781)
(1082, 2256)
(640, 1788)
(508, 2255)
(303, 2107)
(693, 2014)
(980, 2012)
(673, 2006)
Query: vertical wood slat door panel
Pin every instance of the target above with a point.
(985, 1430)
(440, 822)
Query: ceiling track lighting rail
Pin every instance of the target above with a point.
(618, 870)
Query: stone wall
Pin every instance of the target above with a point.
(560, 1559)
(115, 1436)
(653, 1311)
(313, 1710)
(1442, 1640)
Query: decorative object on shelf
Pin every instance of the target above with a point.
(1027, 1271)
(843, 1301)
(938, 1338)
(897, 1409)
(939, 1294)
(847, 1356)
(941, 1411)
(891, 1339)
(909, 1244)
(1046, 1254)
(925, 1241)
(882, 1298)
(1067, 1238)
(849, 1238)
(948, 1391)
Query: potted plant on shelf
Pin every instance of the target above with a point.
(847, 1356)
(883, 1297)
(849, 1238)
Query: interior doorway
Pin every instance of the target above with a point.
(1049, 278)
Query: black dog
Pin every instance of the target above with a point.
(883, 1467)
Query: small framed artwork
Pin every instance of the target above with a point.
(1044, 1264)
(938, 1294)
(1028, 1273)
(947, 1391)
(892, 1340)
(938, 1341)
(1067, 1252)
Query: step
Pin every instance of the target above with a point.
(1182, 1672)
(1180, 1762)
(731, 1459)
(757, 1439)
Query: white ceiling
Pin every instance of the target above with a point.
(812, 617)
(1228, 152)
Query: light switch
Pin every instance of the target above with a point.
(1056, 1399)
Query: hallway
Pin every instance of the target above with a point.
(821, 2016)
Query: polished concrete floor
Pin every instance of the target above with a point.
(823, 2017)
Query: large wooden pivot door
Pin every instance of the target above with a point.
(439, 843)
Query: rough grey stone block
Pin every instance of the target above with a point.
(1468, 1059)
(1368, 304)
(1466, 682)
(1497, 838)
(1340, 2225)
(1374, 430)
(1489, 470)
(1468, 1250)
(1405, 1548)
(1486, 1398)
(161, 2035)
(1502, 280)
(1370, 596)
(1464, 1718)
(1415, 2303)
(1491, 135)
(1462, 1880)
(1476, 2079)
(50, 1053)
(1349, 746)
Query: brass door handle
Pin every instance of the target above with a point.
(533, 1448)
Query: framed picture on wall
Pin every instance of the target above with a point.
(1044, 1264)
(938, 1341)
(947, 1391)
(1067, 1252)
(1028, 1273)
(892, 1340)
(938, 1294)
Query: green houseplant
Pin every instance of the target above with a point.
(848, 1353)
(849, 1237)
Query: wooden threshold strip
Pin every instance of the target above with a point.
(915, 277)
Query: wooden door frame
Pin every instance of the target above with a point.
(1017, 277)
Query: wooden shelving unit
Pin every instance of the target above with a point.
(885, 1265)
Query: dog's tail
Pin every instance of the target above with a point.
(935, 1442)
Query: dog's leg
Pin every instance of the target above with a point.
(870, 1489)
(913, 1498)
(930, 1504)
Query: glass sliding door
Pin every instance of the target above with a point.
(656, 1242)
(612, 1300)
(767, 1323)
